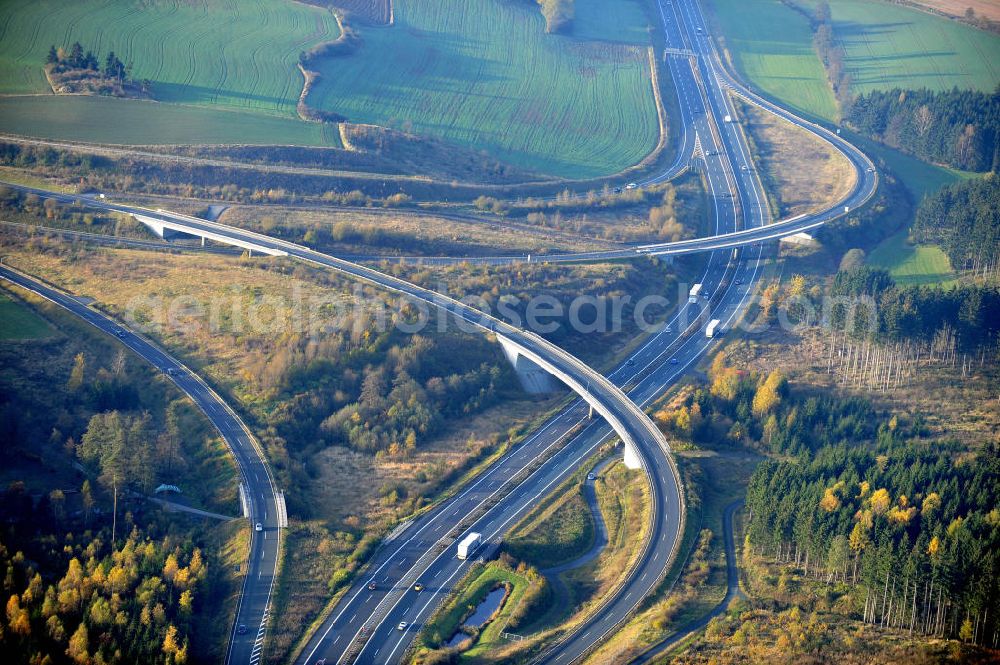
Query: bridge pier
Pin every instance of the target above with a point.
(166, 226)
(533, 378)
(527, 367)
(631, 457)
(152, 225)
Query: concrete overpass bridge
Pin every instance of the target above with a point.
(628, 421)
(515, 351)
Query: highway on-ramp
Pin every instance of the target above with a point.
(628, 421)
(743, 221)
(259, 490)
(363, 626)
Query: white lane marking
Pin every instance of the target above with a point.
(434, 520)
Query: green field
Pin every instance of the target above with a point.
(238, 54)
(209, 56)
(111, 120)
(889, 46)
(765, 62)
(17, 322)
(912, 265)
(771, 45)
(483, 73)
(789, 70)
(558, 530)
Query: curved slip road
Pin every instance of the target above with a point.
(732, 591)
(629, 422)
(367, 619)
(259, 490)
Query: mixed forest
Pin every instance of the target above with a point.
(906, 525)
(94, 574)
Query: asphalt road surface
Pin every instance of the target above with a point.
(261, 493)
(363, 627)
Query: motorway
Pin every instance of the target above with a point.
(491, 505)
(428, 536)
(261, 494)
(629, 422)
(363, 626)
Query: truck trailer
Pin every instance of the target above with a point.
(693, 296)
(468, 546)
(713, 328)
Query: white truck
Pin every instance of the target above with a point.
(693, 296)
(713, 328)
(468, 546)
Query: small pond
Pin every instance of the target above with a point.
(481, 616)
(491, 603)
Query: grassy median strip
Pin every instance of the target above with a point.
(526, 592)
(560, 529)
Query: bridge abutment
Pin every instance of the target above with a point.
(533, 378)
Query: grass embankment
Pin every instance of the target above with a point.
(481, 579)
(576, 105)
(558, 530)
(804, 173)
(623, 498)
(697, 581)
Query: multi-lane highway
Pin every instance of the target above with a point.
(259, 493)
(628, 421)
(493, 504)
(378, 612)
(363, 627)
